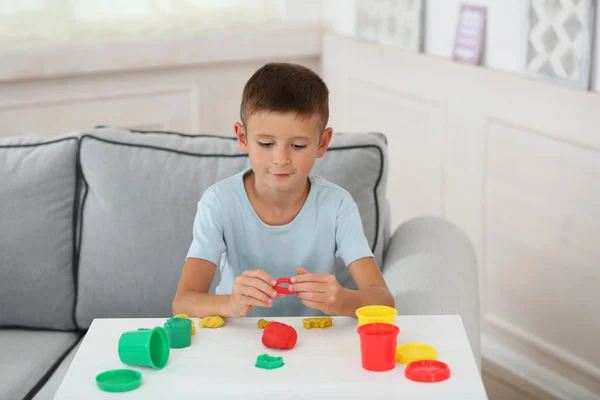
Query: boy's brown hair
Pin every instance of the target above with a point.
(284, 87)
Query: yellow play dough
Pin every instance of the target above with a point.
(211, 322)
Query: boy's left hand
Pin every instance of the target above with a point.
(320, 291)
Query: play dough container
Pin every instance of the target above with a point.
(376, 314)
(179, 332)
(378, 346)
(145, 348)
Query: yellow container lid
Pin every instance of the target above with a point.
(409, 352)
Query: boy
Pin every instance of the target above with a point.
(276, 219)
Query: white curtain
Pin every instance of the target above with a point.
(35, 21)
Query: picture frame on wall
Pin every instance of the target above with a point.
(395, 23)
(559, 42)
(469, 40)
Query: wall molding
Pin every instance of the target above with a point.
(546, 366)
(75, 97)
(152, 53)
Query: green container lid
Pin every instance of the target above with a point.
(119, 380)
(179, 331)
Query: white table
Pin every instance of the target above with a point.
(325, 363)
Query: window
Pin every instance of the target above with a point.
(34, 21)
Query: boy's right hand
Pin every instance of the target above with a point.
(251, 289)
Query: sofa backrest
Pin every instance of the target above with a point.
(37, 227)
(137, 197)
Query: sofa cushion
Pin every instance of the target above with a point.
(137, 215)
(28, 356)
(142, 191)
(50, 387)
(37, 199)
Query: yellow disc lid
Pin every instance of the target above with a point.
(409, 352)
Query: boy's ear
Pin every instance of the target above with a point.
(324, 142)
(242, 138)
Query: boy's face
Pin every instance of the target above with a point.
(282, 147)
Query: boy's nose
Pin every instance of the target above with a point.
(281, 161)
(281, 157)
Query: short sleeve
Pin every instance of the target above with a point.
(208, 241)
(351, 243)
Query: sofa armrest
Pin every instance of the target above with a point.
(431, 268)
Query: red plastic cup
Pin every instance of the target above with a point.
(378, 346)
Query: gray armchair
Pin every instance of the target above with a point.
(431, 268)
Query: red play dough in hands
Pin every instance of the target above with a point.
(282, 289)
(279, 336)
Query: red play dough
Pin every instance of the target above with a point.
(279, 336)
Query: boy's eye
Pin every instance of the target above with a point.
(265, 144)
(299, 146)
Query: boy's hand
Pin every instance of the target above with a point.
(251, 289)
(320, 291)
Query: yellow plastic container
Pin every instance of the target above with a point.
(380, 314)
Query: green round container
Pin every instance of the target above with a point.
(179, 331)
(119, 380)
(145, 348)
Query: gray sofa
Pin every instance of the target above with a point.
(97, 224)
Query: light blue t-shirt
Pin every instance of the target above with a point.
(229, 233)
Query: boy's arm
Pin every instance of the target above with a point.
(249, 290)
(371, 288)
(324, 292)
(354, 250)
(205, 251)
(192, 296)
